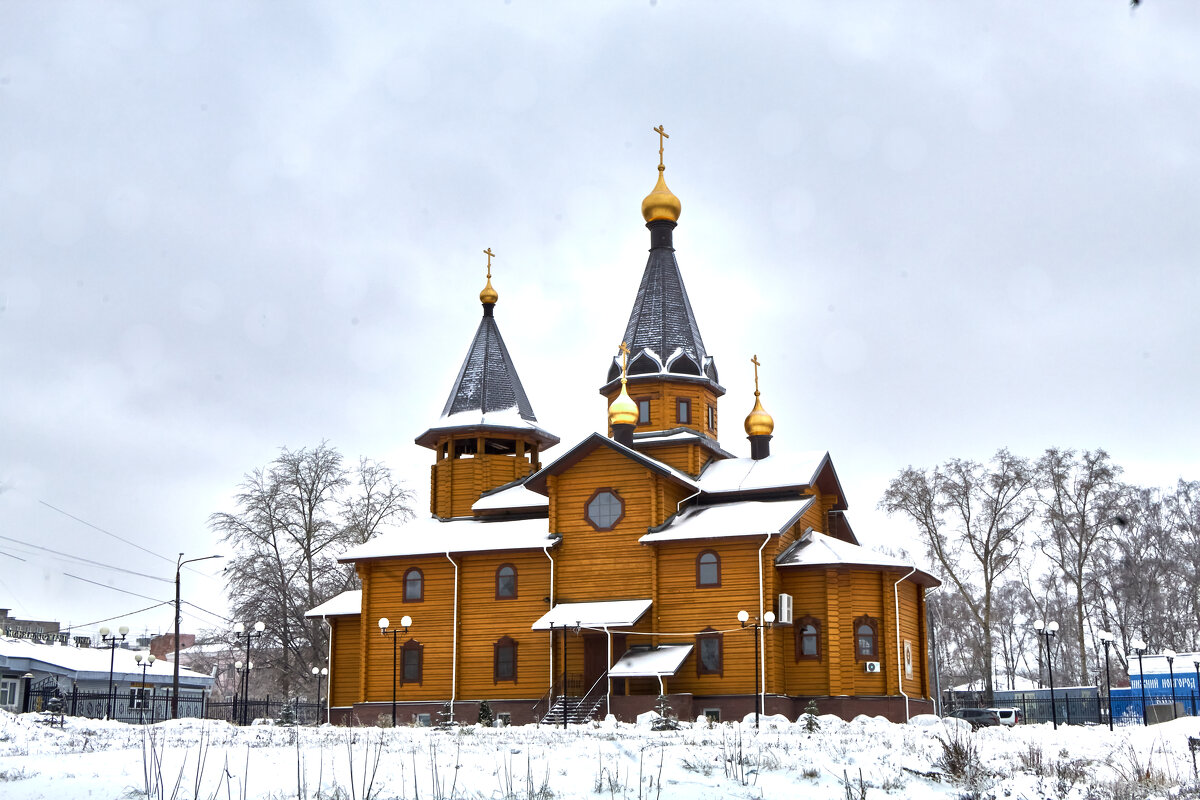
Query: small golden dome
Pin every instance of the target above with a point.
(623, 410)
(488, 296)
(759, 422)
(662, 202)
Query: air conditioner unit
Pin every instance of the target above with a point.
(784, 615)
(871, 666)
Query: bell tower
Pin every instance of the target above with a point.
(487, 435)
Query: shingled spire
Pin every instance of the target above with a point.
(487, 434)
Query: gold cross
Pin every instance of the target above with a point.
(662, 134)
(756, 364)
(624, 348)
(490, 254)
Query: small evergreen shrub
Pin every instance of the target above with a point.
(485, 714)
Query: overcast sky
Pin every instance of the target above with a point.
(227, 228)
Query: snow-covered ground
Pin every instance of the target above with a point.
(208, 759)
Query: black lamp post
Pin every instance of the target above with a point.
(319, 673)
(1138, 646)
(405, 624)
(142, 694)
(239, 630)
(1170, 654)
(1047, 631)
(178, 618)
(1107, 639)
(766, 622)
(243, 671)
(111, 640)
(1195, 695)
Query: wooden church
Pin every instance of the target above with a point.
(647, 562)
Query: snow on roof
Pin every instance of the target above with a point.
(651, 663)
(596, 439)
(507, 419)
(1000, 684)
(748, 518)
(512, 497)
(1157, 664)
(817, 549)
(610, 613)
(775, 471)
(432, 535)
(345, 603)
(89, 662)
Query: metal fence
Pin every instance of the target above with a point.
(1094, 710)
(134, 707)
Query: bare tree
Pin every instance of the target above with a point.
(1182, 509)
(970, 518)
(1082, 499)
(294, 519)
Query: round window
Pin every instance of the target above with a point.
(604, 510)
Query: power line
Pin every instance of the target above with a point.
(206, 611)
(119, 616)
(86, 560)
(10, 555)
(113, 588)
(106, 533)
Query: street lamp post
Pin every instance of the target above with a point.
(1196, 692)
(319, 673)
(243, 671)
(1107, 639)
(1170, 654)
(384, 623)
(142, 694)
(1047, 631)
(1139, 647)
(239, 630)
(759, 690)
(178, 618)
(111, 640)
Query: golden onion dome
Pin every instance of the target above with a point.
(623, 410)
(759, 422)
(662, 202)
(488, 296)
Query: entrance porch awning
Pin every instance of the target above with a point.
(641, 662)
(606, 614)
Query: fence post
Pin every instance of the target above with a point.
(74, 698)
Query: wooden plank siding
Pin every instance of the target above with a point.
(484, 620)
(836, 597)
(347, 658)
(663, 396)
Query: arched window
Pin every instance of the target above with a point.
(414, 586)
(506, 582)
(866, 639)
(808, 639)
(411, 658)
(708, 569)
(709, 656)
(504, 660)
(604, 510)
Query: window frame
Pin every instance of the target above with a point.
(412, 645)
(700, 583)
(643, 404)
(683, 410)
(513, 595)
(421, 584)
(712, 417)
(710, 634)
(873, 624)
(801, 625)
(504, 642)
(588, 517)
(14, 691)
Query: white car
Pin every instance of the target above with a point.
(1008, 716)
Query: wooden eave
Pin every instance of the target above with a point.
(658, 377)
(431, 437)
(537, 481)
(919, 577)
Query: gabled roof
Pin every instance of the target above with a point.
(747, 518)
(487, 394)
(775, 472)
(537, 481)
(815, 549)
(429, 536)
